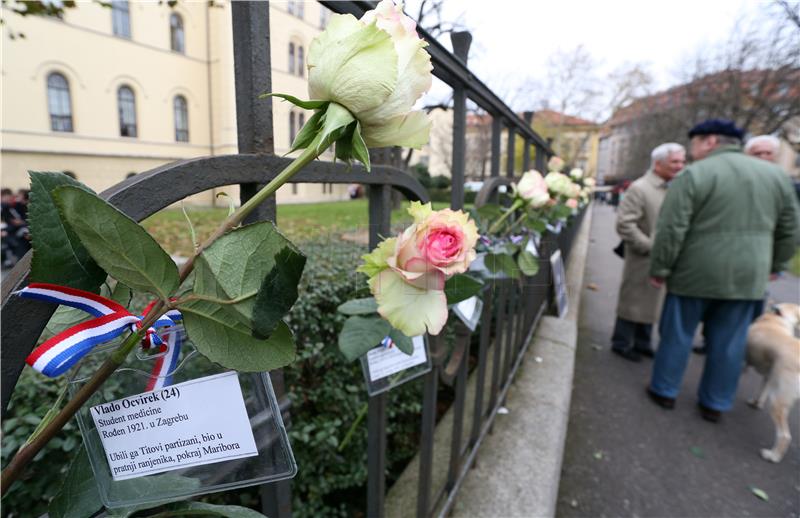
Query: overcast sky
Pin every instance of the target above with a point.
(513, 38)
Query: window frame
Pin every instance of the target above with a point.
(291, 57)
(125, 128)
(175, 25)
(301, 58)
(61, 122)
(121, 18)
(179, 102)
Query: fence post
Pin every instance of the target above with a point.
(461, 42)
(510, 157)
(251, 55)
(526, 151)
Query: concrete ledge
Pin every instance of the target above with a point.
(518, 466)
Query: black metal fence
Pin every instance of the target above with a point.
(511, 308)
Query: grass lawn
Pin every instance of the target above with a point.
(299, 222)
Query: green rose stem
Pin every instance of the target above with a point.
(514, 206)
(25, 454)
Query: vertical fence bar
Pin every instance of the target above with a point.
(426, 440)
(461, 42)
(511, 310)
(541, 159)
(379, 223)
(500, 311)
(511, 155)
(462, 340)
(480, 379)
(497, 133)
(253, 73)
(251, 58)
(526, 151)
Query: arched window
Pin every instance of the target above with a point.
(126, 102)
(181, 119)
(301, 66)
(121, 18)
(291, 58)
(176, 33)
(58, 102)
(292, 128)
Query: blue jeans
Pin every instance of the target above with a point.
(725, 329)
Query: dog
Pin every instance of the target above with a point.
(773, 350)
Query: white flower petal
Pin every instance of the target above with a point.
(411, 130)
(409, 309)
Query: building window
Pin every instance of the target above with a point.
(291, 58)
(292, 128)
(181, 119)
(301, 121)
(300, 61)
(299, 9)
(58, 102)
(121, 18)
(176, 33)
(294, 188)
(127, 111)
(290, 6)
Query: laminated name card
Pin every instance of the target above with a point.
(469, 311)
(158, 433)
(386, 366)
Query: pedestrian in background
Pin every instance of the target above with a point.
(639, 302)
(728, 222)
(764, 147)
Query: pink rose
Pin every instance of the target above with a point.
(555, 164)
(407, 273)
(572, 203)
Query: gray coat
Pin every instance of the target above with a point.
(636, 225)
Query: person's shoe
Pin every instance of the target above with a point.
(628, 354)
(700, 349)
(645, 352)
(662, 401)
(709, 414)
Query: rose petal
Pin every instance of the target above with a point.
(409, 309)
(411, 130)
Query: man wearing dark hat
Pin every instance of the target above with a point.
(728, 222)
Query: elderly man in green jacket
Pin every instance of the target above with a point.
(728, 222)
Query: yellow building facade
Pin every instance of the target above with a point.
(107, 92)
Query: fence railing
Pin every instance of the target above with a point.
(511, 308)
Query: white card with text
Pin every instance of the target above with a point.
(385, 361)
(469, 311)
(197, 422)
(531, 247)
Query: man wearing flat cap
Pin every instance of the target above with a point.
(728, 222)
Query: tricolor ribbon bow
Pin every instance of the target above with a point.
(56, 355)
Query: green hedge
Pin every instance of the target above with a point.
(326, 393)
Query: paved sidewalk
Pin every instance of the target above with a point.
(626, 457)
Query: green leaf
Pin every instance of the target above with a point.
(122, 294)
(360, 151)
(760, 493)
(204, 509)
(403, 342)
(461, 287)
(528, 263)
(490, 211)
(536, 223)
(334, 125)
(698, 452)
(306, 105)
(365, 306)
(278, 292)
(360, 334)
(58, 255)
(344, 148)
(502, 263)
(237, 265)
(78, 496)
(63, 318)
(308, 132)
(117, 243)
(219, 334)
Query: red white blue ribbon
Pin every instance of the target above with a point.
(166, 363)
(56, 355)
(387, 343)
